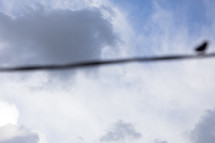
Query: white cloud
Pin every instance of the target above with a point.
(8, 113)
(15, 8)
(11, 132)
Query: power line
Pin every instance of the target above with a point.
(200, 50)
(105, 62)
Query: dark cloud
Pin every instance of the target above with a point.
(57, 36)
(204, 131)
(121, 131)
(15, 134)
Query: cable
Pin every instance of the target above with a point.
(105, 62)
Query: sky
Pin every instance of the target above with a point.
(163, 102)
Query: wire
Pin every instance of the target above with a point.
(102, 63)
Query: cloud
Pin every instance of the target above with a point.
(57, 36)
(16, 134)
(8, 113)
(204, 130)
(120, 131)
(159, 141)
(160, 97)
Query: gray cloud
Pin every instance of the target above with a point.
(31, 138)
(159, 141)
(204, 131)
(120, 131)
(57, 36)
(15, 134)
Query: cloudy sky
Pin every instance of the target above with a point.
(164, 102)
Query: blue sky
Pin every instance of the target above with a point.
(183, 16)
(186, 12)
(166, 102)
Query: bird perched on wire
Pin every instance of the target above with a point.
(201, 49)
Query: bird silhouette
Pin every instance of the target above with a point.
(202, 48)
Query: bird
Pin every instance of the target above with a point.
(201, 49)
